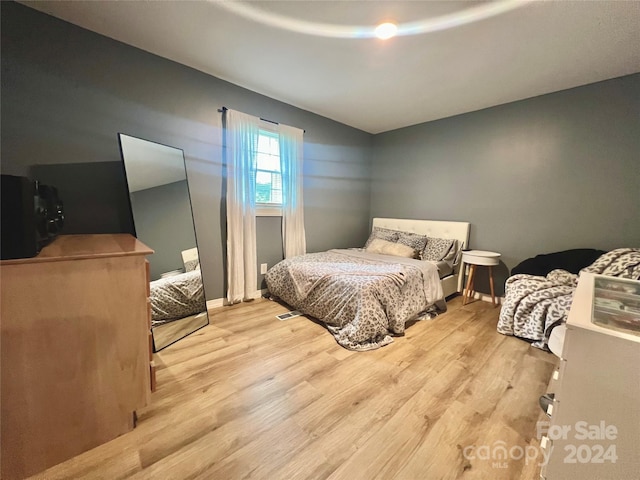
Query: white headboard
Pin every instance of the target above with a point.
(436, 229)
(190, 255)
(431, 228)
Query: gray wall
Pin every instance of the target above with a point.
(163, 221)
(546, 174)
(68, 92)
(541, 175)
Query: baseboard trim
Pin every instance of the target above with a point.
(216, 303)
(223, 302)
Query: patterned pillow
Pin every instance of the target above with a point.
(436, 249)
(384, 247)
(382, 234)
(413, 240)
(454, 254)
(191, 265)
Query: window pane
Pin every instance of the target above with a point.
(263, 143)
(263, 178)
(263, 187)
(268, 142)
(274, 146)
(268, 162)
(263, 195)
(268, 176)
(276, 181)
(276, 188)
(268, 187)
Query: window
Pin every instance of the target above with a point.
(268, 174)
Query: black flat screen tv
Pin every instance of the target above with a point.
(32, 216)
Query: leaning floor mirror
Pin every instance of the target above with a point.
(163, 220)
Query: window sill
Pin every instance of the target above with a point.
(268, 211)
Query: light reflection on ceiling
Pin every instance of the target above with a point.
(433, 24)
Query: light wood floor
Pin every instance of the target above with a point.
(254, 397)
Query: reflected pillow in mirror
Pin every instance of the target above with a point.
(192, 265)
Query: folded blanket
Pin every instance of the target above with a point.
(534, 305)
(622, 263)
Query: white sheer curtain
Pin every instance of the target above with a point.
(242, 132)
(293, 235)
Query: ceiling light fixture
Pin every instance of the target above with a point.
(443, 22)
(386, 30)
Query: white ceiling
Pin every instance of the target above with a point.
(371, 84)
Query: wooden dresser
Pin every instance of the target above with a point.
(75, 335)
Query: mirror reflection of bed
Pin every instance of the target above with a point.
(161, 210)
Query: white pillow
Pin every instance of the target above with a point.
(384, 247)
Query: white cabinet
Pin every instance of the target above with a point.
(595, 420)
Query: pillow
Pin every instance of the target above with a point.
(191, 265)
(454, 254)
(383, 234)
(436, 249)
(190, 259)
(384, 247)
(413, 240)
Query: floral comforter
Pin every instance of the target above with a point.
(534, 305)
(363, 299)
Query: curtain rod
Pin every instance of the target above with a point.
(224, 109)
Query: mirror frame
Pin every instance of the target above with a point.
(181, 335)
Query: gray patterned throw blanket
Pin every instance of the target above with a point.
(534, 305)
(362, 298)
(176, 297)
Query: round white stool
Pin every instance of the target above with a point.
(478, 258)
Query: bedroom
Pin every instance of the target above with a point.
(67, 92)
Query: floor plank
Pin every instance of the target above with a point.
(250, 396)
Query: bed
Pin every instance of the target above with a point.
(365, 296)
(178, 295)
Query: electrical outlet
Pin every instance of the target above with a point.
(263, 268)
